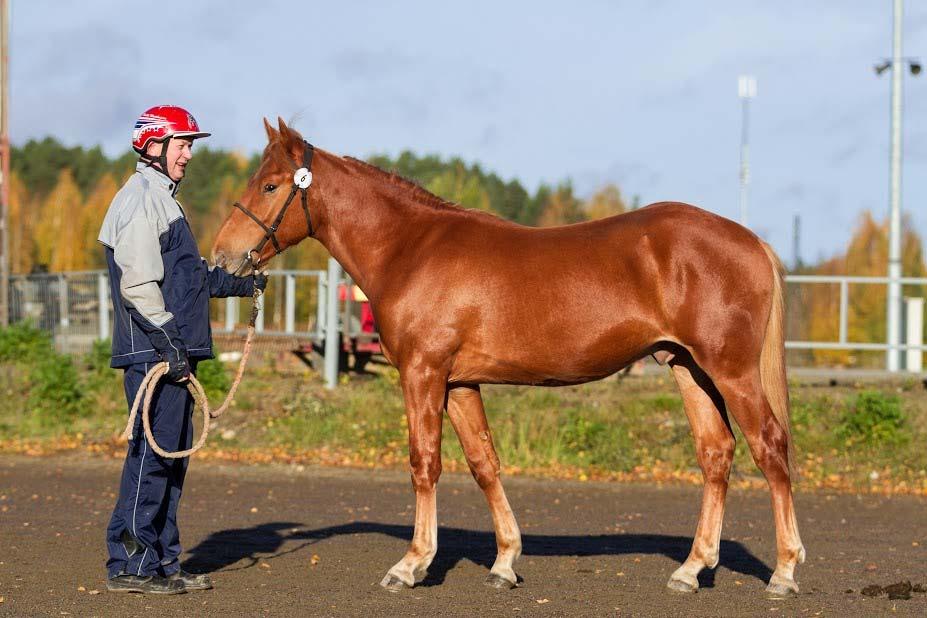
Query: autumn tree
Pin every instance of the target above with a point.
(561, 208)
(57, 234)
(22, 227)
(605, 202)
(91, 218)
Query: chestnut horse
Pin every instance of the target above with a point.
(464, 298)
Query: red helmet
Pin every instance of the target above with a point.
(162, 122)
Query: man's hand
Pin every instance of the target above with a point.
(167, 342)
(260, 281)
(178, 366)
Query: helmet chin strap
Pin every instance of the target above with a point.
(161, 159)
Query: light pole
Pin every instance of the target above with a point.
(893, 325)
(746, 89)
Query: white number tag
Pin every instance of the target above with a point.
(302, 178)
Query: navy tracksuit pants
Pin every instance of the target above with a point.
(142, 537)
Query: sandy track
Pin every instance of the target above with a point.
(589, 548)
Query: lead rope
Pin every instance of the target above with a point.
(149, 384)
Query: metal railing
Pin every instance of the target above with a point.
(77, 309)
(73, 306)
(290, 306)
(843, 342)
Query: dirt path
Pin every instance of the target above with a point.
(589, 549)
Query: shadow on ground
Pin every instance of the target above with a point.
(266, 541)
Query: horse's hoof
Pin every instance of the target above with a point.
(780, 589)
(678, 585)
(393, 583)
(500, 583)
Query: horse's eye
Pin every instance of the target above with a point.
(269, 188)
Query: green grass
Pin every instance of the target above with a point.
(634, 425)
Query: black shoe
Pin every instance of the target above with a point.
(146, 584)
(191, 581)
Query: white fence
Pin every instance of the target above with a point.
(912, 346)
(76, 307)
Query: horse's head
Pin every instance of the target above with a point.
(253, 230)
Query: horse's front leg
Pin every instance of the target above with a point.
(424, 389)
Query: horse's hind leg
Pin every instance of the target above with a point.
(769, 444)
(465, 409)
(424, 390)
(714, 448)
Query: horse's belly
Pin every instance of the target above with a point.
(549, 361)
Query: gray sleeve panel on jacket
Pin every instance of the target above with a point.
(133, 227)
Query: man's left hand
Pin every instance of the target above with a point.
(260, 281)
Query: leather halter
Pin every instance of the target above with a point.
(302, 179)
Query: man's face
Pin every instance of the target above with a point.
(179, 152)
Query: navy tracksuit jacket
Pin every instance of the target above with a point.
(159, 282)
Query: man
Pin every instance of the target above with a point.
(160, 288)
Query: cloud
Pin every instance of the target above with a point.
(915, 146)
(632, 178)
(792, 191)
(92, 100)
(364, 64)
(847, 152)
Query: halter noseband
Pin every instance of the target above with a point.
(302, 178)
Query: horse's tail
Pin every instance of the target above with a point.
(772, 357)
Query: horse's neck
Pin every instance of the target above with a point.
(367, 221)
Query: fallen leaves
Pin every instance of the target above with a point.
(314, 560)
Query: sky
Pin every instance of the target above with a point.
(640, 94)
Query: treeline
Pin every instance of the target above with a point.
(59, 196)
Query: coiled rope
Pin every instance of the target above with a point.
(149, 385)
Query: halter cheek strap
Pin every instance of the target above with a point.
(302, 179)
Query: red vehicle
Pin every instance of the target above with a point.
(359, 337)
(361, 340)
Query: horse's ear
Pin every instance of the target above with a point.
(271, 132)
(291, 138)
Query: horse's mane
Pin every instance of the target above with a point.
(420, 194)
(408, 187)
